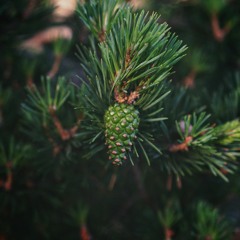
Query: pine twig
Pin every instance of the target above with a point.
(121, 97)
(8, 183)
(9, 180)
(30, 83)
(218, 32)
(112, 182)
(189, 80)
(102, 36)
(55, 66)
(133, 96)
(179, 182)
(56, 147)
(84, 234)
(170, 180)
(168, 233)
(182, 146)
(128, 57)
(64, 134)
(224, 171)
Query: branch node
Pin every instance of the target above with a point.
(183, 147)
(218, 32)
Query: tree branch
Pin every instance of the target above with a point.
(64, 134)
(218, 32)
(182, 146)
(55, 66)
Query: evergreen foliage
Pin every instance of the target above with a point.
(164, 111)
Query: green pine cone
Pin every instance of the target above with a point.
(121, 124)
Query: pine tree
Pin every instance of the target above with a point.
(143, 143)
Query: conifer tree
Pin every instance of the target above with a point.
(119, 122)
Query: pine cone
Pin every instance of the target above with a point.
(121, 123)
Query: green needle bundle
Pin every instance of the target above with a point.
(127, 74)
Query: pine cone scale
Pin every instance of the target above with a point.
(121, 126)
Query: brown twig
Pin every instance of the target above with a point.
(55, 66)
(128, 57)
(8, 183)
(179, 182)
(64, 134)
(168, 233)
(30, 83)
(9, 180)
(120, 95)
(182, 146)
(224, 171)
(136, 4)
(56, 147)
(170, 180)
(46, 36)
(218, 32)
(84, 234)
(112, 182)
(189, 80)
(102, 35)
(133, 96)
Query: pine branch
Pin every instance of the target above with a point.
(61, 47)
(42, 113)
(218, 32)
(199, 146)
(100, 15)
(168, 217)
(228, 100)
(210, 224)
(65, 134)
(12, 156)
(135, 60)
